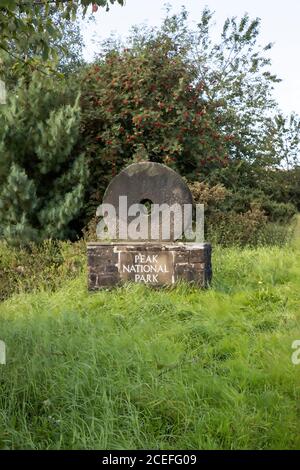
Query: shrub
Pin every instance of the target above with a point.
(282, 185)
(210, 196)
(43, 266)
(146, 105)
(234, 219)
(231, 228)
(279, 211)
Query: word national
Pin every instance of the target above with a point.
(146, 268)
(149, 231)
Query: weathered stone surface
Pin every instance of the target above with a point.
(148, 181)
(154, 264)
(157, 263)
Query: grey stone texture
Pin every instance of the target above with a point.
(155, 264)
(149, 181)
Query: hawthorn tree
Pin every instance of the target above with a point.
(235, 69)
(148, 105)
(176, 95)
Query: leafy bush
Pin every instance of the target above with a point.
(43, 266)
(250, 228)
(210, 196)
(279, 211)
(146, 104)
(231, 228)
(283, 185)
(178, 97)
(236, 219)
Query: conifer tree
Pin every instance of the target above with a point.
(42, 177)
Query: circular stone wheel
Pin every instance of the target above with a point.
(146, 183)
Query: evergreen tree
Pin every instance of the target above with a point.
(42, 179)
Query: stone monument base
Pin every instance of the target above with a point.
(155, 264)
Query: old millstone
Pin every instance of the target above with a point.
(149, 182)
(157, 263)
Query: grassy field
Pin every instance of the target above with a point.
(176, 368)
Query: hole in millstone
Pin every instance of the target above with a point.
(147, 205)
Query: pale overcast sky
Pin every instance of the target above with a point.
(280, 24)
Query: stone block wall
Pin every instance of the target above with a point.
(156, 264)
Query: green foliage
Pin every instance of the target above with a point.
(173, 95)
(48, 264)
(68, 58)
(32, 23)
(202, 106)
(283, 185)
(284, 136)
(243, 218)
(39, 267)
(234, 70)
(145, 105)
(42, 178)
(249, 228)
(242, 200)
(165, 369)
(279, 211)
(69, 44)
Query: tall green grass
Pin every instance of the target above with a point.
(142, 368)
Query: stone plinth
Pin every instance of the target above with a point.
(155, 264)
